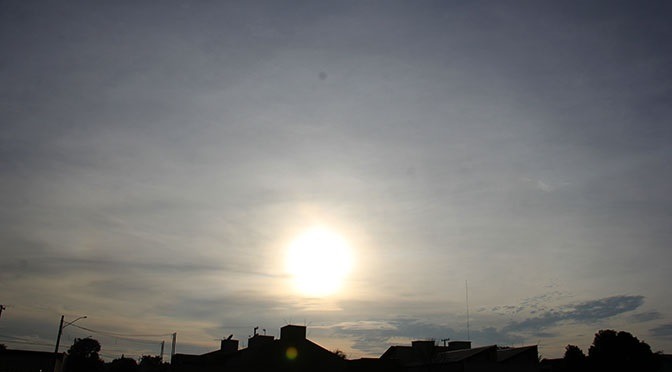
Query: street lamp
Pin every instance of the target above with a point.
(60, 330)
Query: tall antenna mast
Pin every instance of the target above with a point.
(466, 290)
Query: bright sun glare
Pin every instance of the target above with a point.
(319, 260)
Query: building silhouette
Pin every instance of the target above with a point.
(30, 361)
(291, 352)
(459, 356)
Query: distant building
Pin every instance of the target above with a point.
(425, 356)
(292, 352)
(30, 361)
(421, 351)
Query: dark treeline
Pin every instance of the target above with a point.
(611, 351)
(83, 356)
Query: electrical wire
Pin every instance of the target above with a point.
(114, 334)
(26, 342)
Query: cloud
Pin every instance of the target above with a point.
(645, 317)
(365, 325)
(663, 331)
(588, 312)
(540, 185)
(374, 336)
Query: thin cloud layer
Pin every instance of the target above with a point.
(157, 161)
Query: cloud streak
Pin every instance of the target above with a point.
(582, 312)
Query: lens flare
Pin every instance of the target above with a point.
(291, 353)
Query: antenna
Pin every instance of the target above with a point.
(466, 290)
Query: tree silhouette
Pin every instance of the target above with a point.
(575, 359)
(123, 365)
(613, 350)
(83, 356)
(150, 363)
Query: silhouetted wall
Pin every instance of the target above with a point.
(293, 333)
(30, 361)
(229, 346)
(257, 340)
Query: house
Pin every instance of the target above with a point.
(30, 361)
(424, 356)
(421, 350)
(519, 359)
(291, 352)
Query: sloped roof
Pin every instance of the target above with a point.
(405, 353)
(272, 356)
(398, 352)
(504, 354)
(460, 355)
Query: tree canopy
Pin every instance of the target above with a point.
(123, 365)
(575, 359)
(150, 363)
(611, 351)
(83, 356)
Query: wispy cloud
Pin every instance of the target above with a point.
(663, 330)
(646, 316)
(583, 312)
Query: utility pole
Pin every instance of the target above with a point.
(60, 332)
(466, 291)
(58, 338)
(172, 348)
(163, 343)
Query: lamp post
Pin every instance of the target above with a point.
(60, 330)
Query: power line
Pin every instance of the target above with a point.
(27, 342)
(114, 334)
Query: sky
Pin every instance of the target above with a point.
(509, 161)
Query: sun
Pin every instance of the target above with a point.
(318, 261)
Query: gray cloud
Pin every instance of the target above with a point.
(663, 330)
(374, 336)
(646, 316)
(583, 312)
(369, 335)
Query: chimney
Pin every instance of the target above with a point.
(293, 333)
(422, 350)
(229, 346)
